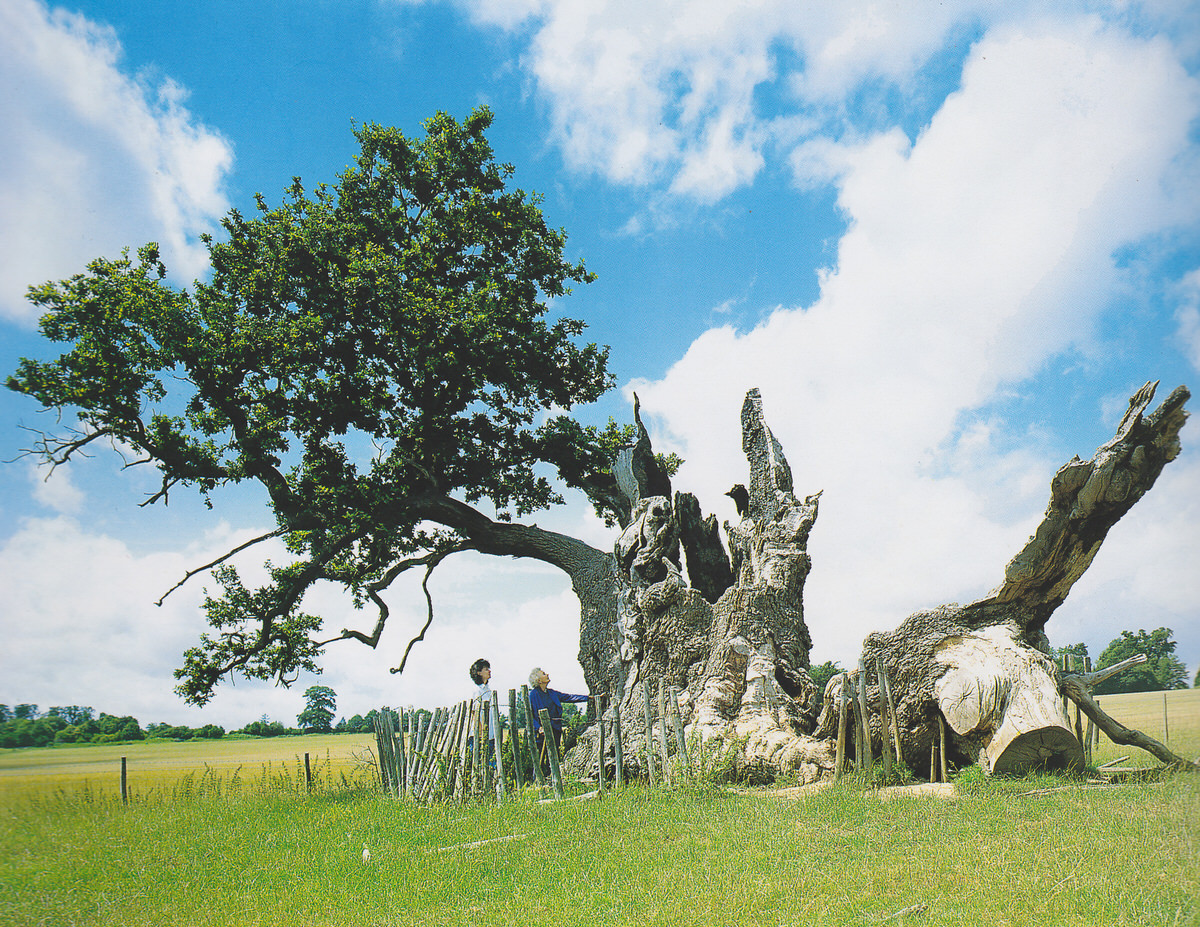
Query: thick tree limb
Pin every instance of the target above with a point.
(1091, 680)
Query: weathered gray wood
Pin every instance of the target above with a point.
(532, 738)
(662, 732)
(649, 732)
(933, 759)
(618, 747)
(494, 718)
(551, 752)
(401, 758)
(885, 747)
(599, 702)
(867, 755)
(886, 682)
(514, 737)
(840, 762)
(942, 769)
(685, 762)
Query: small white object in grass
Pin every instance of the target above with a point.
(366, 854)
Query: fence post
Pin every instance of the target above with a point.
(600, 730)
(514, 738)
(942, 747)
(885, 746)
(551, 751)
(677, 725)
(866, 755)
(649, 732)
(124, 782)
(839, 763)
(494, 721)
(307, 773)
(618, 747)
(538, 775)
(662, 732)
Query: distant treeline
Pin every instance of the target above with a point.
(25, 726)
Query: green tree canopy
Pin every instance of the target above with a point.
(1162, 669)
(377, 354)
(319, 709)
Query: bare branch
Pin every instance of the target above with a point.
(221, 559)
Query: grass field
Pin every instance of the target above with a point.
(1038, 851)
(154, 767)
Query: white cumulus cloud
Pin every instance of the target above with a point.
(93, 158)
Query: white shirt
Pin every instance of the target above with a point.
(484, 694)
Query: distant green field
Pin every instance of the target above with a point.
(161, 765)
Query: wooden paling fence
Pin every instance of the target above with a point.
(450, 754)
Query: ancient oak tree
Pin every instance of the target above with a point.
(378, 355)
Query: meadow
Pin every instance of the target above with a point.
(1036, 851)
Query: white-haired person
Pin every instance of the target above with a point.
(542, 696)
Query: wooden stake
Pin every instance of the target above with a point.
(494, 720)
(537, 760)
(552, 752)
(618, 747)
(886, 682)
(867, 756)
(124, 782)
(942, 747)
(933, 758)
(885, 747)
(649, 732)
(840, 762)
(677, 724)
(514, 737)
(662, 730)
(599, 699)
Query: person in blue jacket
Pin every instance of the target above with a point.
(541, 696)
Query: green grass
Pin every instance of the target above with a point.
(224, 833)
(1117, 855)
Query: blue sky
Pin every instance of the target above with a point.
(946, 240)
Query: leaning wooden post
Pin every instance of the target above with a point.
(933, 758)
(867, 753)
(649, 732)
(462, 786)
(495, 722)
(307, 773)
(840, 762)
(885, 748)
(662, 732)
(618, 747)
(1166, 730)
(886, 682)
(124, 782)
(552, 752)
(514, 738)
(531, 733)
(942, 747)
(677, 725)
(599, 699)
(401, 755)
